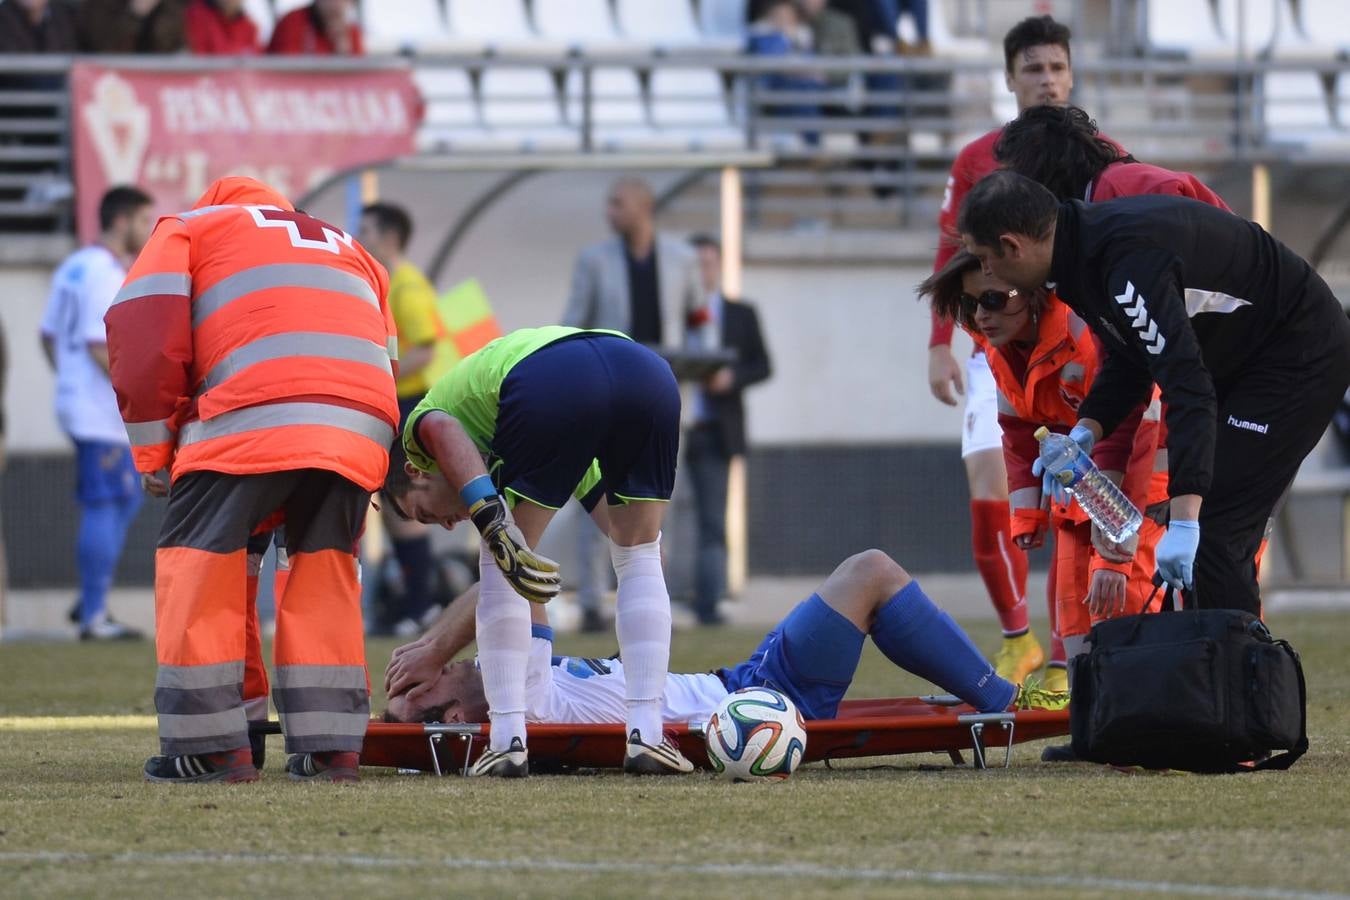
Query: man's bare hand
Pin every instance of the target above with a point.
(412, 665)
(944, 374)
(1031, 539)
(1106, 594)
(155, 484)
(721, 381)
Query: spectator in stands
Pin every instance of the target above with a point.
(132, 26)
(782, 30)
(385, 232)
(324, 28)
(716, 432)
(38, 26)
(833, 33)
(644, 284)
(76, 344)
(220, 28)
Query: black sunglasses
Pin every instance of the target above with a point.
(993, 301)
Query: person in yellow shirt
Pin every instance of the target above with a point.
(385, 231)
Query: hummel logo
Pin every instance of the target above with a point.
(1249, 426)
(1146, 328)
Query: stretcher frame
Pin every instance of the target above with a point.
(863, 728)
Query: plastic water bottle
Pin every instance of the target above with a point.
(1106, 505)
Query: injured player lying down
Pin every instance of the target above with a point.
(810, 656)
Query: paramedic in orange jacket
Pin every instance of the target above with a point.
(253, 356)
(1044, 359)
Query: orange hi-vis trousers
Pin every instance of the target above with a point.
(203, 609)
(1072, 577)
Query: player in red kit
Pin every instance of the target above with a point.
(1038, 71)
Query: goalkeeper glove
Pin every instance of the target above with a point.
(533, 576)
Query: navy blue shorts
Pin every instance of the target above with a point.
(810, 657)
(406, 405)
(584, 398)
(104, 472)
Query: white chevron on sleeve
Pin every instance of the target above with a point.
(1132, 303)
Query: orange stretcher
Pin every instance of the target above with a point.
(863, 728)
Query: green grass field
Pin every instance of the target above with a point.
(76, 820)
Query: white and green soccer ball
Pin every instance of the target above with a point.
(756, 734)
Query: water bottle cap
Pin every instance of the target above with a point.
(1041, 433)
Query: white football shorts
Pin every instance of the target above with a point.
(980, 429)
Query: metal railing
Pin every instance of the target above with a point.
(871, 135)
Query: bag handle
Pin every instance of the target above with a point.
(1289, 757)
(1168, 595)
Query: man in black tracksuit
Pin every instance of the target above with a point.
(1249, 346)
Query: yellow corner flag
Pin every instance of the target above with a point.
(468, 324)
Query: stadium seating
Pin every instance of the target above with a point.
(406, 25)
(1004, 101)
(722, 23)
(497, 26)
(1185, 27)
(451, 119)
(618, 112)
(691, 103)
(1292, 42)
(1341, 96)
(1254, 21)
(520, 108)
(664, 25)
(586, 25)
(941, 37)
(1297, 112)
(1326, 22)
(260, 11)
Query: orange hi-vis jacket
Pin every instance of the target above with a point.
(1045, 387)
(250, 338)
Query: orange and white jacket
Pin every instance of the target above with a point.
(250, 338)
(1045, 387)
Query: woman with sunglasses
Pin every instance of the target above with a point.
(1044, 359)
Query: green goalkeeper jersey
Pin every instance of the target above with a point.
(470, 392)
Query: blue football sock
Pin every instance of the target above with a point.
(97, 549)
(414, 556)
(920, 638)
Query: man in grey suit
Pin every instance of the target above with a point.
(644, 284)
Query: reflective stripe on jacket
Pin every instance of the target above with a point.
(250, 338)
(1058, 374)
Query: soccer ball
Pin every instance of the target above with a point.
(755, 734)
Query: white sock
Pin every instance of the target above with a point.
(503, 633)
(643, 620)
(1074, 645)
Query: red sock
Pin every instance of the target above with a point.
(1002, 565)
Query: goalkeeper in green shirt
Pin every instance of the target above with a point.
(503, 439)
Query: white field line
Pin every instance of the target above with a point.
(743, 870)
(74, 723)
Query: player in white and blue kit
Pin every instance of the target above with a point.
(811, 656)
(107, 487)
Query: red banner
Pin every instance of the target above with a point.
(174, 132)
